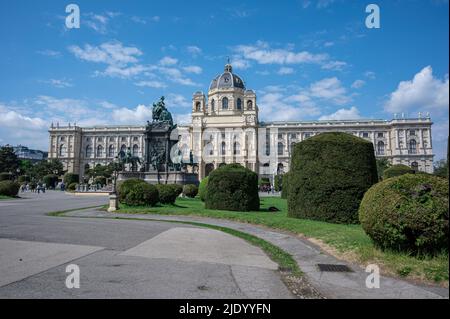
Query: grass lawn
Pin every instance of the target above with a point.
(348, 242)
(3, 197)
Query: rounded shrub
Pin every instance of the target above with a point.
(141, 194)
(24, 179)
(6, 176)
(70, 178)
(407, 213)
(123, 187)
(190, 190)
(100, 180)
(50, 180)
(232, 187)
(397, 170)
(177, 188)
(202, 188)
(167, 193)
(329, 175)
(9, 188)
(72, 187)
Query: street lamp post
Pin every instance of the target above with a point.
(113, 199)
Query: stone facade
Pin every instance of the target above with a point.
(225, 129)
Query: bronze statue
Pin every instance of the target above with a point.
(160, 114)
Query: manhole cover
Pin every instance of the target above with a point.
(334, 268)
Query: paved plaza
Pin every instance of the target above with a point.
(123, 258)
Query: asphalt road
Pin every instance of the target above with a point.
(123, 258)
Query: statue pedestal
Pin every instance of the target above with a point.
(113, 202)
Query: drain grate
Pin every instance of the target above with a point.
(334, 268)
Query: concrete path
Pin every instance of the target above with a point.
(308, 255)
(123, 258)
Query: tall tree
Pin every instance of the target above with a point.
(8, 159)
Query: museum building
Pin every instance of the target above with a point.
(225, 129)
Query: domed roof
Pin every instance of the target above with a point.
(227, 80)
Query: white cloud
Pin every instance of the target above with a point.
(174, 100)
(122, 61)
(13, 119)
(112, 53)
(167, 61)
(99, 22)
(59, 83)
(334, 65)
(193, 69)
(343, 114)
(370, 75)
(151, 84)
(138, 115)
(329, 89)
(423, 91)
(263, 54)
(358, 84)
(194, 50)
(285, 71)
(50, 53)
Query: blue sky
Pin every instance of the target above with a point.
(305, 59)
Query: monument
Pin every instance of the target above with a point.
(162, 162)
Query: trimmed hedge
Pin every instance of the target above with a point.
(70, 178)
(9, 188)
(397, 170)
(141, 194)
(72, 187)
(6, 176)
(101, 180)
(329, 175)
(190, 190)
(232, 187)
(284, 185)
(178, 188)
(167, 193)
(124, 187)
(407, 213)
(202, 189)
(50, 180)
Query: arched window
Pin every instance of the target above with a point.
(99, 151)
(380, 148)
(208, 168)
(280, 168)
(63, 150)
(111, 151)
(415, 166)
(280, 148)
(239, 104)
(412, 147)
(225, 103)
(198, 107)
(249, 105)
(135, 150)
(213, 105)
(123, 148)
(88, 151)
(236, 148)
(223, 148)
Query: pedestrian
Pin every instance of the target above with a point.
(63, 186)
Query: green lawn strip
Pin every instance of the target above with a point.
(60, 213)
(344, 239)
(3, 197)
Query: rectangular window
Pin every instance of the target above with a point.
(380, 134)
(280, 136)
(365, 134)
(412, 133)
